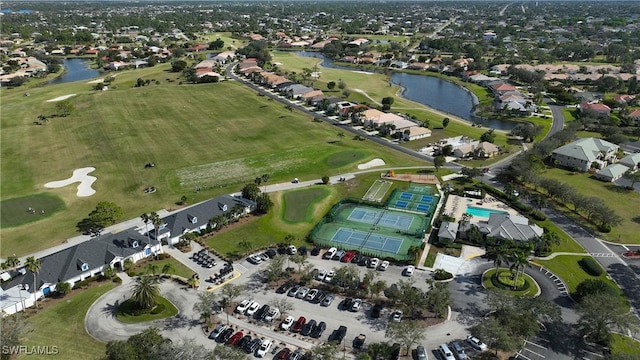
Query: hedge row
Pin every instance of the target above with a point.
(589, 265)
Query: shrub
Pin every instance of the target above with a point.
(593, 286)
(131, 273)
(537, 215)
(604, 228)
(589, 265)
(442, 274)
(163, 256)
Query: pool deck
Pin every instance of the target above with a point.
(457, 205)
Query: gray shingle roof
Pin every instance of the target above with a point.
(448, 230)
(508, 226)
(612, 171)
(585, 149)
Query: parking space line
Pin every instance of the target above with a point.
(519, 354)
(542, 339)
(533, 352)
(241, 268)
(534, 344)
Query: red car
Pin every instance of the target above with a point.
(299, 324)
(283, 354)
(235, 338)
(348, 256)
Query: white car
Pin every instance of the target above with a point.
(264, 348)
(311, 294)
(321, 274)
(476, 343)
(383, 266)
(244, 305)
(252, 308)
(355, 305)
(329, 276)
(254, 259)
(373, 263)
(408, 271)
(292, 250)
(396, 316)
(286, 324)
(272, 314)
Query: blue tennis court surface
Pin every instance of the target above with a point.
(401, 204)
(382, 218)
(422, 207)
(426, 198)
(406, 196)
(367, 240)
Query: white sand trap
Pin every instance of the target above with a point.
(79, 175)
(370, 164)
(97, 81)
(60, 98)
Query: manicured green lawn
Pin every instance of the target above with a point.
(624, 345)
(431, 257)
(567, 268)
(623, 202)
(127, 309)
(567, 244)
(569, 114)
(213, 136)
(179, 268)
(62, 325)
(505, 278)
(299, 205)
(15, 212)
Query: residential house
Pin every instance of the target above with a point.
(499, 88)
(77, 263)
(600, 109)
(635, 114)
(611, 172)
(582, 153)
(509, 227)
(417, 132)
(224, 56)
(198, 217)
(295, 91)
(624, 98)
(631, 161)
(448, 232)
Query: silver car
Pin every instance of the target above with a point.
(327, 300)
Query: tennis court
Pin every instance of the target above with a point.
(377, 191)
(406, 196)
(364, 240)
(416, 198)
(381, 218)
(426, 198)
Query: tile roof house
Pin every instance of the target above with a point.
(631, 161)
(596, 107)
(635, 114)
(509, 227)
(581, 153)
(611, 172)
(198, 217)
(85, 260)
(417, 132)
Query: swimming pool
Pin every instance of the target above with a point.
(483, 212)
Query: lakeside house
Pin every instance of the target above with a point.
(582, 153)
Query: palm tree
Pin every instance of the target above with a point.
(145, 291)
(12, 261)
(146, 219)
(265, 179)
(519, 261)
(229, 293)
(245, 245)
(168, 268)
(157, 222)
(501, 256)
(34, 265)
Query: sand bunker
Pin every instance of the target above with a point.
(79, 175)
(97, 81)
(370, 164)
(60, 98)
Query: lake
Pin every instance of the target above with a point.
(431, 91)
(75, 70)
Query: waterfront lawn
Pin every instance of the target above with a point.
(623, 202)
(62, 325)
(194, 134)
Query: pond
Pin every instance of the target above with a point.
(431, 91)
(75, 70)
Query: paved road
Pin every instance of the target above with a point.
(558, 119)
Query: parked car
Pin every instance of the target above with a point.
(408, 271)
(299, 324)
(254, 259)
(321, 274)
(283, 354)
(252, 346)
(244, 341)
(283, 288)
(421, 353)
(286, 323)
(364, 261)
(235, 338)
(346, 303)
(262, 312)
(329, 254)
(302, 250)
(294, 291)
(225, 335)
(319, 297)
(373, 263)
(251, 310)
(244, 305)
(308, 328)
(327, 300)
(355, 305)
(476, 343)
(383, 266)
(264, 256)
(375, 310)
(311, 294)
(396, 316)
(458, 351)
(348, 256)
(338, 255)
(329, 276)
(359, 341)
(292, 250)
(217, 331)
(272, 314)
(271, 253)
(318, 330)
(315, 251)
(296, 355)
(302, 292)
(339, 334)
(264, 348)
(356, 259)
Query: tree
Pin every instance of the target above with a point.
(12, 331)
(347, 276)
(331, 85)
(167, 268)
(445, 122)
(500, 256)
(265, 179)
(591, 287)
(34, 265)
(439, 161)
(64, 108)
(246, 245)
(63, 288)
(157, 223)
(178, 65)
(108, 271)
(146, 219)
(377, 287)
(546, 242)
(342, 85)
(488, 136)
(325, 179)
(251, 191)
(207, 300)
(299, 260)
(12, 261)
(438, 298)
(263, 204)
(228, 353)
(141, 346)
(145, 291)
(283, 304)
(216, 45)
(596, 321)
(106, 213)
(229, 293)
(518, 261)
(407, 333)
(471, 172)
(633, 177)
(275, 268)
(327, 350)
